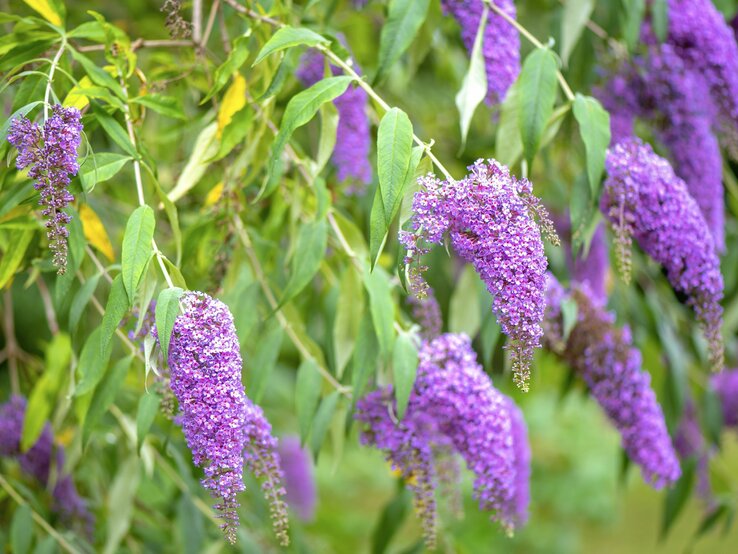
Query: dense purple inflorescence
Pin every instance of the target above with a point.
(51, 153)
(453, 404)
(689, 442)
(501, 46)
(221, 425)
(353, 138)
(702, 38)
(605, 359)
(725, 385)
(659, 88)
(298, 478)
(489, 218)
(643, 198)
(37, 462)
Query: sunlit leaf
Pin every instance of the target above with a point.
(95, 231)
(137, 248)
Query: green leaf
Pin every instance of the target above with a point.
(93, 363)
(234, 133)
(300, 110)
(508, 143)
(569, 316)
(594, 128)
(307, 395)
(464, 313)
(104, 394)
(390, 521)
(581, 211)
(349, 314)
(382, 309)
(167, 310)
(18, 241)
(100, 167)
(396, 164)
(97, 74)
(474, 87)
(169, 106)
(405, 367)
(80, 301)
(322, 421)
(660, 18)
(288, 37)
(632, 13)
(312, 242)
(191, 526)
(137, 248)
(21, 530)
(46, 389)
(264, 358)
(148, 406)
(205, 148)
(233, 63)
(121, 495)
(677, 495)
(115, 309)
(576, 15)
(364, 361)
(20, 112)
(114, 130)
(404, 19)
(537, 96)
(327, 142)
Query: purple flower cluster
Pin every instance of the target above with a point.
(298, 478)
(489, 217)
(605, 359)
(643, 198)
(37, 463)
(453, 405)
(223, 428)
(702, 38)
(660, 88)
(725, 385)
(353, 138)
(51, 153)
(501, 46)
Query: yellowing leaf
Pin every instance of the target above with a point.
(76, 98)
(214, 195)
(45, 8)
(233, 101)
(95, 231)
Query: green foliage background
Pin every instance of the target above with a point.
(254, 233)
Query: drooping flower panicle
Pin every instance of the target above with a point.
(500, 47)
(489, 217)
(353, 138)
(222, 427)
(453, 404)
(603, 356)
(643, 198)
(659, 87)
(704, 40)
(51, 154)
(37, 462)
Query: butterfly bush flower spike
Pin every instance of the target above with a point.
(222, 427)
(605, 359)
(643, 198)
(51, 154)
(298, 477)
(500, 46)
(453, 408)
(725, 385)
(490, 218)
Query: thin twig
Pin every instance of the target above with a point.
(48, 306)
(271, 299)
(139, 44)
(533, 40)
(50, 80)
(37, 517)
(197, 21)
(209, 24)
